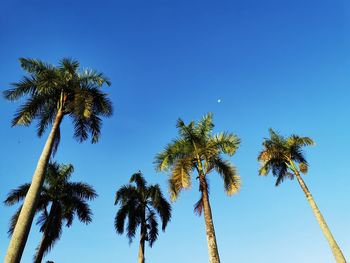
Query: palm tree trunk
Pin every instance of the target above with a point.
(40, 253)
(209, 225)
(42, 247)
(339, 257)
(141, 257)
(25, 219)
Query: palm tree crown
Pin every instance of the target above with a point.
(63, 88)
(197, 149)
(279, 155)
(140, 204)
(63, 198)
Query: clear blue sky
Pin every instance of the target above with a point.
(280, 64)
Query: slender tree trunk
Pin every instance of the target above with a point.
(209, 225)
(25, 219)
(141, 257)
(40, 253)
(339, 257)
(42, 247)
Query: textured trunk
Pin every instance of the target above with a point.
(209, 225)
(40, 253)
(25, 219)
(339, 257)
(141, 257)
(42, 247)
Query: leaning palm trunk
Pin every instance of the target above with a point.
(25, 219)
(40, 254)
(339, 257)
(141, 257)
(209, 225)
(41, 249)
(43, 244)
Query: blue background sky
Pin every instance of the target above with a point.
(280, 64)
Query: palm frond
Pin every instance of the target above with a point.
(92, 76)
(232, 181)
(152, 232)
(101, 103)
(94, 125)
(281, 172)
(134, 219)
(198, 207)
(180, 177)
(80, 129)
(34, 65)
(81, 190)
(181, 173)
(29, 111)
(65, 171)
(300, 141)
(26, 86)
(297, 154)
(46, 117)
(42, 220)
(227, 143)
(125, 193)
(13, 221)
(120, 218)
(81, 209)
(264, 169)
(53, 231)
(205, 125)
(69, 65)
(161, 205)
(68, 215)
(174, 151)
(138, 179)
(17, 195)
(173, 190)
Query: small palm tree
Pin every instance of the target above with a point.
(62, 198)
(285, 159)
(52, 93)
(140, 204)
(197, 149)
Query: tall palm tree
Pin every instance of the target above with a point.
(284, 158)
(53, 92)
(140, 204)
(63, 199)
(197, 149)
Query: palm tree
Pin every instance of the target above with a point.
(52, 93)
(64, 200)
(197, 149)
(140, 204)
(285, 159)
